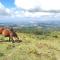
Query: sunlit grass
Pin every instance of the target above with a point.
(32, 47)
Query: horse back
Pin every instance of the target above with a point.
(6, 33)
(1, 29)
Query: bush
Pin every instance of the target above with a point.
(10, 46)
(1, 54)
(55, 36)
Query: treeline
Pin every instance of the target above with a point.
(38, 30)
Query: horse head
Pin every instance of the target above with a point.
(14, 35)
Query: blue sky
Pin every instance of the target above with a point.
(44, 9)
(8, 3)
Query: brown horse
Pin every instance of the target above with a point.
(9, 33)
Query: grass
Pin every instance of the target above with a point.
(32, 47)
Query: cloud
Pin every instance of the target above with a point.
(25, 4)
(9, 12)
(1, 5)
(25, 8)
(38, 5)
(4, 11)
(29, 14)
(40, 10)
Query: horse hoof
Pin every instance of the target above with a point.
(13, 41)
(18, 41)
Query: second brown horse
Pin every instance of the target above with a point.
(9, 33)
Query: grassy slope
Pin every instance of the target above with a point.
(32, 47)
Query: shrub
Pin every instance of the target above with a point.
(1, 54)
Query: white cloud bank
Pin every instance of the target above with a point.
(38, 8)
(5, 12)
(35, 6)
(43, 4)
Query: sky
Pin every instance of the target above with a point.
(29, 8)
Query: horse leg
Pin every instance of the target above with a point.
(12, 40)
(9, 39)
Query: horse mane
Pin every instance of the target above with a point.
(13, 32)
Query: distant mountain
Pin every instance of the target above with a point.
(37, 23)
(43, 21)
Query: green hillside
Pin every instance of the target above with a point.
(37, 44)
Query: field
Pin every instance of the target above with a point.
(37, 44)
